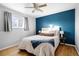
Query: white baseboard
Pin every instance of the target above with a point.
(68, 44)
(77, 49)
(8, 47)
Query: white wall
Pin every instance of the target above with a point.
(9, 38)
(77, 26)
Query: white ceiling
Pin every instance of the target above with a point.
(49, 9)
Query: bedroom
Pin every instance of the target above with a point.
(36, 24)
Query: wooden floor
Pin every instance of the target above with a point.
(65, 50)
(62, 50)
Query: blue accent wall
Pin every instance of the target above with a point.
(65, 19)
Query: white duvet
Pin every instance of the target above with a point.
(27, 45)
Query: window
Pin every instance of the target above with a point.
(17, 22)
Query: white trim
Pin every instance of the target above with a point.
(68, 44)
(8, 47)
(77, 49)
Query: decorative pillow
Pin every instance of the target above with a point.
(47, 33)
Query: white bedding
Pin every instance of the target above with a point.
(27, 45)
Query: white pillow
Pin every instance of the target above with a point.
(44, 29)
(54, 31)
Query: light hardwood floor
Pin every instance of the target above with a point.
(65, 50)
(62, 50)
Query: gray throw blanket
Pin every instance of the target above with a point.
(35, 43)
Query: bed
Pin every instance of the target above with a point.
(30, 43)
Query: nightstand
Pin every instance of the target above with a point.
(62, 40)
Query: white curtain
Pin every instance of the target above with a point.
(26, 26)
(7, 21)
